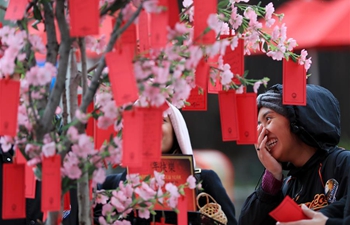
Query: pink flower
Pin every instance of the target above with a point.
(107, 209)
(104, 122)
(99, 176)
(172, 202)
(191, 182)
(49, 149)
(214, 23)
(151, 6)
(133, 179)
(6, 143)
(226, 75)
(82, 117)
(144, 213)
(37, 43)
(72, 134)
(73, 172)
(172, 189)
(145, 192)
(101, 198)
(159, 177)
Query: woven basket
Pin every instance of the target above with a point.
(211, 209)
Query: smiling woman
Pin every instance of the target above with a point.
(302, 140)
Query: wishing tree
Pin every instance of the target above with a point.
(154, 54)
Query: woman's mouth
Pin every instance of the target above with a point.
(271, 143)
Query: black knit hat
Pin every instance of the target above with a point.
(272, 100)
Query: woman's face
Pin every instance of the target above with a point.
(168, 136)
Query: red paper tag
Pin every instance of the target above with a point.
(121, 76)
(13, 200)
(143, 31)
(214, 89)
(30, 181)
(16, 9)
(101, 135)
(202, 74)
(288, 211)
(182, 207)
(173, 13)
(84, 17)
(235, 59)
(198, 101)
(159, 24)
(9, 99)
(228, 115)
(132, 139)
(247, 117)
(51, 184)
(66, 199)
(90, 126)
(201, 14)
(294, 83)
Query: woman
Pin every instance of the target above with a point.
(176, 140)
(302, 140)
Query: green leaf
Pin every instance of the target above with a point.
(37, 13)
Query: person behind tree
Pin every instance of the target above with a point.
(176, 140)
(302, 140)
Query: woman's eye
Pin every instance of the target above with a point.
(268, 118)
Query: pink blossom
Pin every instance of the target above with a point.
(172, 202)
(104, 122)
(82, 117)
(291, 43)
(256, 86)
(226, 75)
(73, 172)
(214, 23)
(102, 220)
(37, 43)
(191, 182)
(128, 11)
(102, 98)
(6, 143)
(101, 198)
(49, 149)
(234, 43)
(72, 134)
(159, 177)
(144, 213)
(151, 6)
(145, 192)
(107, 209)
(99, 176)
(240, 89)
(34, 161)
(133, 179)
(172, 189)
(126, 189)
(236, 19)
(122, 222)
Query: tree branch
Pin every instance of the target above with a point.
(56, 93)
(82, 48)
(73, 86)
(95, 82)
(117, 4)
(52, 44)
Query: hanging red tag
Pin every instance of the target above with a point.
(247, 118)
(51, 184)
(90, 126)
(173, 13)
(200, 24)
(143, 31)
(182, 218)
(132, 139)
(235, 59)
(102, 135)
(122, 76)
(84, 17)
(214, 89)
(294, 83)
(202, 74)
(228, 115)
(13, 185)
(9, 99)
(198, 101)
(159, 24)
(30, 181)
(66, 201)
(16, 9)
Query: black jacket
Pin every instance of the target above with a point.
(33, 212)
(211, 184)
(318, 125)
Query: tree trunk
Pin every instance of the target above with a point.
(84, 200)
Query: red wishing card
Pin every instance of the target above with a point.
(143, 31)
(9, 100)
(201, 14)
(84, 17)
(132, 139)
(214, 89)
(101, 135)
(16, 9)
(228, 115)
(198, 101)
(51, 184)
(294, 83)
(235, 59)
(90, 126)
(288, 211)
(202, 74)
(173, 13)
(182, 207)
(247, 118)
(30, 181)
(13, 199)
(66, 199)
(121, 76)
(159, 24)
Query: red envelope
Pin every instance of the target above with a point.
(132, 139)
(51, 184)
(13, 185)
(173, 13)
(16, 9)
(100, 135)
(247, 118)
(143, 31)
(84, 17)
(9, 100)
(288, 211)
(182, 218)
(235, 59)
(121, 76)
(198, 101)
(294, 83)
(159, 24)
(30, 181)
(228, 115)
(201, 14)
(202, 74)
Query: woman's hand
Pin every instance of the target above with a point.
(316, 218)
(269, 162)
